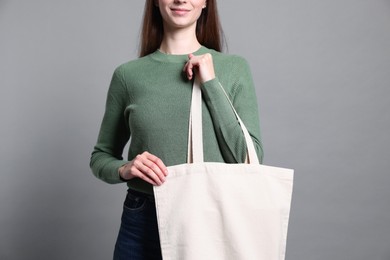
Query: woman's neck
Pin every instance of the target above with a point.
(179, 41)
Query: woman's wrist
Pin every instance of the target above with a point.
(121, 173)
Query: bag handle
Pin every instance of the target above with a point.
(195, 135)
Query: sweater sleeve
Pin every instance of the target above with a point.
(242, 95)
(114, 133)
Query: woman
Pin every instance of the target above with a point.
(149, 101)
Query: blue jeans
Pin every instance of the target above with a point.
(138, 237)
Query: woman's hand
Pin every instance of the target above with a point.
(146, 166)
(203, 64)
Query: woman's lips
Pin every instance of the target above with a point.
(179, 11)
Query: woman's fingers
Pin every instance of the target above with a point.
(158, 163)
(204, 66)
(188, 67)
(153, 167)
(147, 167)
(139, 174)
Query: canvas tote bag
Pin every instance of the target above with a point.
(220, 211)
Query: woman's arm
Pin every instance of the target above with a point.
(114, 133)
(106, 162)
(242, 94)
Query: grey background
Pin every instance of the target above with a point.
(322, 74)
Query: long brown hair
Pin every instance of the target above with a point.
(208, 28)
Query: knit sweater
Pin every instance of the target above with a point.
(148, 103)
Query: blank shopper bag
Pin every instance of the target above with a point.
(220, 211)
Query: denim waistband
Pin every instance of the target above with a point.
(141, 194)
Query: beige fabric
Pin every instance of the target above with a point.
(221, 211)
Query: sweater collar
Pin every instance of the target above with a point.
(175, 58)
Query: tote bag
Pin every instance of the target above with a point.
(220, 211)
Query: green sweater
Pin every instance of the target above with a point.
(148, 102)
